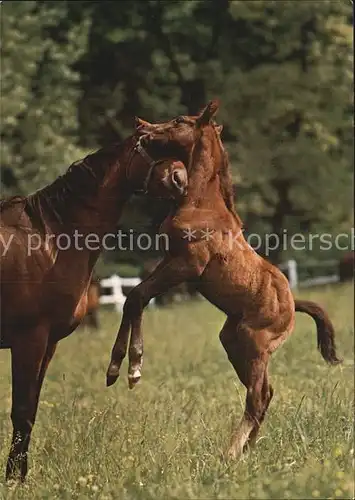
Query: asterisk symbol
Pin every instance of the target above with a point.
(190, 234)
(207, 234)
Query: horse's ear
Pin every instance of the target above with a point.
(138, 122)
(208, 113)
(219, 129)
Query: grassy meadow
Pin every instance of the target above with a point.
(164, 439)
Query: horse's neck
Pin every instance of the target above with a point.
(209, 201)
(200, 199)
(209, 213)
(89, 196)
(205, 206)
(203, 182)
(207, 194)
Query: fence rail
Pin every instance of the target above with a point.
(291, 269)
(112, 290)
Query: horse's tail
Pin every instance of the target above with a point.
(325, 329)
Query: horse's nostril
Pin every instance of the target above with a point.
(178, 179)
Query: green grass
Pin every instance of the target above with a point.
(164, 439)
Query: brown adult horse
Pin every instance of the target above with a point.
(207, 244)
(50, 243)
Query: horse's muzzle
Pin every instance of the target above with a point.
(179, 181)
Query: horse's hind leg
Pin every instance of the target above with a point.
(51, 347)
(267, 394)
(119, 350)
(28, 352)
(250, 362)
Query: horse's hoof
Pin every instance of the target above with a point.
(15, 473)
(110, 380)
(112, 374)
(134, 378)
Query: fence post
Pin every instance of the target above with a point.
(292, 273)
(117, 292)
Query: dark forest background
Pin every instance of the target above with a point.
(74, 75)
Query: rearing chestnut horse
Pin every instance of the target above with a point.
(207, 245)
(50, 242)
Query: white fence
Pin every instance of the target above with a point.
(291, 268)
(113, 286)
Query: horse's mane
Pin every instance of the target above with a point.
(75, 187)
(226, 182)
(6, 203)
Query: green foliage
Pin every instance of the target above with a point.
(40, 92)
(76, 73)
(291, 115)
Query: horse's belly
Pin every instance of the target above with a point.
(64, 307)
(218, 285)
(39, 285)
(20, 302)
(22, 274)
(26, 303)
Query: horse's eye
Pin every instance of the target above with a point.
(179, 119)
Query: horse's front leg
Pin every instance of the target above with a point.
(170, 272)
(30, 354)
(119, 349)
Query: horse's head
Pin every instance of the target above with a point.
(168, 180)
(176, 137)
(160, 176)
(166, 149)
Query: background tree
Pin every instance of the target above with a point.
(76, 73)
(291, 116)
(39, 91)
